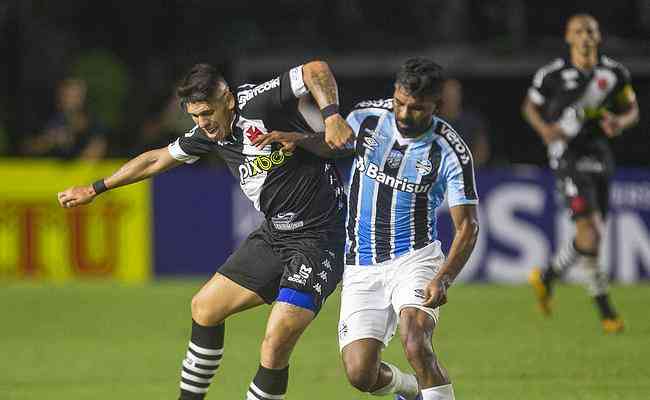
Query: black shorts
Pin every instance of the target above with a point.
(584, 183)
(308, 261)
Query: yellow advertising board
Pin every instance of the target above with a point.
(109, 238)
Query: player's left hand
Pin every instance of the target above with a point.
(435, 294)
(337, 132)
(76, 196)
(611, 124)
(286, 139)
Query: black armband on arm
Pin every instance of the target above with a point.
(99, 186)
(330, 110)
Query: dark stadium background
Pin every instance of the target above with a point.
(492, 46)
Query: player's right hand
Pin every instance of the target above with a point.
(337, 132)
(435, 293)
(286, 139)
(76, 196)
(611, 124)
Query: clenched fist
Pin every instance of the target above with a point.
(337, 132)
(76, 196)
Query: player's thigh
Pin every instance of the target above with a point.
(221, 297)
(579, 191)
(413, 275)
(313, 268)
(603, 183)
(256, 266)
(366, 311)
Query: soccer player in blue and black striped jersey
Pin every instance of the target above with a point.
(406, 161)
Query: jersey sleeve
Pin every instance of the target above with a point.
(459, 177)
(275, 99)
(293, 85)
(354, 120)
(541, 87)
(191, 147)
(624, 92)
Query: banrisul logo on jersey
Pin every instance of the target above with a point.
(372, 171)
(261, 164)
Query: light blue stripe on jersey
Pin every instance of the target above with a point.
(368, 197)
(403, 225)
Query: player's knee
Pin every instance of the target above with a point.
(204, 312)
(362, 377)
(199, 309)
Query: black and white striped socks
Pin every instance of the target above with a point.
(268, 384)
(565, 258)
(201, 360)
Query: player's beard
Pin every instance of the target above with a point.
(413, 129)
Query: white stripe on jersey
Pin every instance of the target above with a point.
(545, 70)
(356, 216)
(297, 83)
(178, 154)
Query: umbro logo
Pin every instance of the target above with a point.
(369, 143)
(423, 167)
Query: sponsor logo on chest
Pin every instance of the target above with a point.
(372, 171)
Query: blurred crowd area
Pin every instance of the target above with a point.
(90, 80)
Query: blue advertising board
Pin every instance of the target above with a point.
(200, 215)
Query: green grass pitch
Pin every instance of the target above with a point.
(107, 341)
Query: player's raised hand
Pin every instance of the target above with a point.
(286, 139)
(435, 294)
(337, 132)
(76, 196)
(611, 124)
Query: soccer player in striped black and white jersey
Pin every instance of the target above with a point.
(294, 260)
(406, 161)
(576, 104)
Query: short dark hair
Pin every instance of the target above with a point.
(420, 76)
(199, 84)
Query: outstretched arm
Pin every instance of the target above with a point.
(141, 167)
(321, 84)
(466, 224)
(312, 142)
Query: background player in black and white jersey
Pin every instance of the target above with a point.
(295, 258)
(576, 104)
